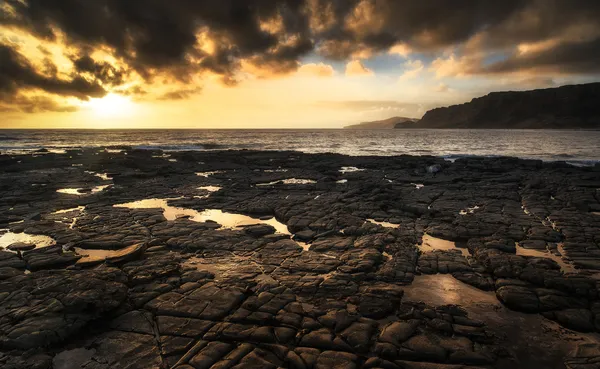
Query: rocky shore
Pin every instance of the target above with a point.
(143, 259)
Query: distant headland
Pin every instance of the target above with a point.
(565, 107)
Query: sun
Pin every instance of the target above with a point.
(111, 105)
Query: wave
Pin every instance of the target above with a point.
(564, 156)
(583, 163)
(8, 138)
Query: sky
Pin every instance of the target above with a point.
(279, 63)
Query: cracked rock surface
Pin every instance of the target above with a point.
(490, 263)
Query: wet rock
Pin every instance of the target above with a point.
(21, 246)
(44, 308)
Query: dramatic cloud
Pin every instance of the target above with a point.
(181, 94)
(356, 68)
(318, 70)
(16, 73)
(177, 43)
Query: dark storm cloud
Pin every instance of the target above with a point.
(16, 73)
(570, 58)
(181, 94)
(102, 71)
(165, 38)
(34, 104)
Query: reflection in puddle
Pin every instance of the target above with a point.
(550, 343)
(99, 256)
(384, 224)
(39, 240)
(431, 243)
(350, 169)
(82, 191)
(564, 266)
(289, 181)
(207, 174)
(210, 188)
(57, 151)
(103, 176)
(444, 289)
(78, 209)
(226, 220)
(468, 210)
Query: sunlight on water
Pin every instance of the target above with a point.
(207, 174)
(384, 224)
(431, 243)
(98, 256)
(289, 181)
(579, 147)
(470, 210)
(81, 191)
(39, 240)
(350, 169)
(226, 220)
(210, 188)
(564, 266)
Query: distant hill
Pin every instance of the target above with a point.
(389, 123)
(572, 106)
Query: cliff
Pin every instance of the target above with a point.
(573, 106)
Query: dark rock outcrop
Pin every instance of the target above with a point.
(573, 106)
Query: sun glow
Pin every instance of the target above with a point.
(111, 105)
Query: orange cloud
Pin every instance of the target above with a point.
(318, 70)
(356, 68)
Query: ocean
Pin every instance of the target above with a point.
(576, 147)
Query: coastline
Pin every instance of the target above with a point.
(292, 258)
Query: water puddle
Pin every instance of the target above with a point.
(342, 181)
(550, 343)
(350, 169)
(431, 243)
(209, 188)
(418, 186)
(564, 266)
(468, 210)
(39, 240)
(78, 209)
(289, 181)
(384, 224)
(82, 191)
(73, 219)
(99, 256)
(103, 176)
(444, 289)
(57, 151)
(226, 220)
(207, 174)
